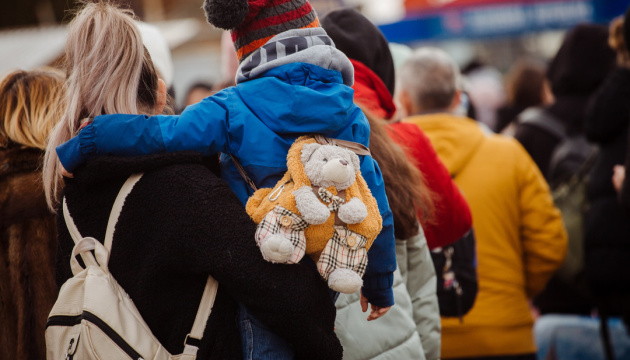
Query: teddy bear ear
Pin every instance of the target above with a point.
(307, 152)
(226, 14)
(355, 161)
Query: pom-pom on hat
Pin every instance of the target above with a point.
(254, 22)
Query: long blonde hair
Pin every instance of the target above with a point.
(109, 72)
(29, 107)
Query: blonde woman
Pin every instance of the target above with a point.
(29, 108)
(180, 223)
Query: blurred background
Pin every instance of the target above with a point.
(474, 32)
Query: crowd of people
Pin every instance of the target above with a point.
(503, 230)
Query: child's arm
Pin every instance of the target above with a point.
(202, 127)
(379, 276)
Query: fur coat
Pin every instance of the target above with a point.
(27, 252)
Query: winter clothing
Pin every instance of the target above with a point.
(452, 214)
(412, 326)
(607, 229)
(27, 251)
(187, 224)
(581, 64)
(506, 115)
(370, 92)
(520, 237)
(583, 61)
(257, 121)
(254, 22)
(624, 196)
(578, 68)
(360, 40)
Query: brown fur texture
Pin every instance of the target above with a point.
(28, 244)
(317, 235)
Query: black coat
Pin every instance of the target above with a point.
(607, 233)
(179, 224)
(624, 196)
(539, 142)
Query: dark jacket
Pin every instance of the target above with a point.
(624, 196)
(179, 224)
(580, 66)
(27, 256)
(607, 233)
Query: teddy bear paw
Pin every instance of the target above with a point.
(277, 249)
(353, 212)
(345, 281)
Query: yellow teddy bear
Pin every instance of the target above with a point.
(322, 207)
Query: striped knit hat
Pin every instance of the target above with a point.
(254, 22)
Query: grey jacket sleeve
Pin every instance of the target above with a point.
(416, 267)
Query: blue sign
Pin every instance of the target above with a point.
(507, 19)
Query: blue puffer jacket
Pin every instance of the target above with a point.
(256, 121)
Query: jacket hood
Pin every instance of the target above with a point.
(299, 98)
(455, 138)
(583, 61)
(311, 46)
(371, 93)
(361, 40)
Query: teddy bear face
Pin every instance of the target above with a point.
(328, 165)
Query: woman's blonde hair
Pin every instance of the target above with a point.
(109, 72)
(29, 107)
(616, 40)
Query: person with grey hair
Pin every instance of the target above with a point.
(520, 236)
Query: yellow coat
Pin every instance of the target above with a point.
(521, 238)
(317, 235)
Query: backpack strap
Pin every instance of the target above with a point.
(117, 208)
(193, 339)
(541, 119)
(357, 148)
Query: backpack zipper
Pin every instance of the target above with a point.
(61, 320)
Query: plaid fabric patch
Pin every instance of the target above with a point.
(287, 223)
(345, 250)
(333, 202)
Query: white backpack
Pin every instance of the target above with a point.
(94, 318)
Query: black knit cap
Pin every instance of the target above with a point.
(583, 61)
(361, 40)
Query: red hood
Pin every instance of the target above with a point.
(371, 93)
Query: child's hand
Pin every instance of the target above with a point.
(376, 312)
(619, 175)
(64, 172)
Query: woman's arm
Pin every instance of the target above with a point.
(292, 300)
(202, 127)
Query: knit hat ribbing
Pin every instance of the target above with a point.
(254, 22)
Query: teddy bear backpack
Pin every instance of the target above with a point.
(94, 318)
(322, 207)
